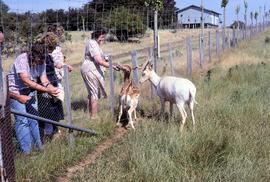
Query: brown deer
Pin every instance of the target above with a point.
(129, 96)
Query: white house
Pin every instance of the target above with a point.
(190, 17)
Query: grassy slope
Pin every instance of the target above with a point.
(232, 140)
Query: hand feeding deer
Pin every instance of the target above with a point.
(129, 96)
(179, 91)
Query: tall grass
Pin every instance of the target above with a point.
(231, 142)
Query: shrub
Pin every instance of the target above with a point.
(267, 40)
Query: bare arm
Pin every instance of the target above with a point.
(21, 98)
(61, 65)
(25, 78)
(50, 88)
(102, 62)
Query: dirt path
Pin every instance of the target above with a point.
(91, 157)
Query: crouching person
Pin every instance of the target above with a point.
(25, 71)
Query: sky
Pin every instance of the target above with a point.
(40, 5)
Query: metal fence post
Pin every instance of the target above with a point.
(209, 45)
(134, 60)
(112, 101)
(171, 58)
(68, 105)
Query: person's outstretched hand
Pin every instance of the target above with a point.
(116, 67)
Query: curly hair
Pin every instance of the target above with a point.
(49, 40)
(56, 29)
(37, 53)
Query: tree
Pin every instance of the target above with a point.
(4, 7)
(3, 13)
(251, 18)
(124, 23)
(246, 7)
(223, 5)
(155, 4)
(237, 10)
(256, 14)
(260, 12)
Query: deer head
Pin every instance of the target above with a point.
(146, 71)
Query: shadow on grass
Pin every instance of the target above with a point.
(79, 105)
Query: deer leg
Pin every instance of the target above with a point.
(120, 114)
(171, 109)
(162, 106)
(191, 106)
(135, 114)
(181, 108)
(130, 118)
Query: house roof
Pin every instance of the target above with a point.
(199, 9)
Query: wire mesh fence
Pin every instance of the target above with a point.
(180, 57)
(7, 147)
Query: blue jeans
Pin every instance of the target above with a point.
(27, 130)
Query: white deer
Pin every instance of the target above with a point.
(179, 91)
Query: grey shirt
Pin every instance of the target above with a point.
(21, 65)
(91, 50)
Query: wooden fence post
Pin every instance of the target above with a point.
(229, 40)
(112, 99)
(223, 39)
(134, 60)
(250, 32)
(234, 37)
(209, 46)
(189, 55)
(171, 59)
(201, 49)
(150, 58)
(217, 45)
(68, 105)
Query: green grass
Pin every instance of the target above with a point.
(58, 155)
(231, 142)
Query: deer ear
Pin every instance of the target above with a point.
(145, 65)
(150, 66)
